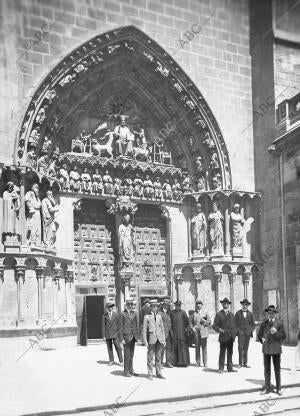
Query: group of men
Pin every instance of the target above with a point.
(166, 332)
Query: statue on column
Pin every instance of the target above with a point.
(11, 207)
(198, 231)
(124, 138)
(33, 214)
(237, 227)
(49, 209)
(216, 232)
(126, 242)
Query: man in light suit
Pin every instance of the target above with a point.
(245, 326)
(200, 322)
(128, 336)
(111, 321)
(154, 339)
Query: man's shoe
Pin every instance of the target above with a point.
(279, 392)
(265, 391)
(220, 371)
(198, 365)
(246, 366)
(134, 374)
(127, 375)
(160, 376)
(240, 366)
(231, 370)
(169, 365)
(150, 377)
(111, 363)
(205, 365)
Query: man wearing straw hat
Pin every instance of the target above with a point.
(224, 324)
(154, 339)
(128, 336)
(271, 333)
(111, 321)
(165, 314)
(245, 326)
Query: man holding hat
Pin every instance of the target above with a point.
(245, 326)
(111, 322)
(180, 325)
(154, 339)
(271, 333)
(165, 315)
(224, 324)
(199, 323)
(128, 336)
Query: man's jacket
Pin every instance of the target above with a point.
(244, 325)
(227, 323)
(153, 329)
(112, 326)
(128, 326)
(272, 344)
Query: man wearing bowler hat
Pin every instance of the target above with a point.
(112, 326)
(271, 333)
(165, 315)
(128, 336)
(224, 324)
(154, 339)
(245, 326)
(199, 323)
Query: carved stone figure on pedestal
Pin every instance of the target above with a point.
(74, 180)
(214, 163)
(137, 186)
(33, 214)
(97, 185)
(216, 232)
(201, 184)
(217, 181)
(11, 207)
(177, 191)
(141, 151)
(124, 138)
(198, 231)
(126, 243)
(64, 178)
(118, 190)
(86, 182)
(187, 184)
(199, 164)
(148, 187)
(49, 209)
(158, 194)
(237, 227)
(108, 184)
(31, 158)
(128, 188)
(167, 188)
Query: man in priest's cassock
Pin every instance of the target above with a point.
(180, 325)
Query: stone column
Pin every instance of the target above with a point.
(40, 275)
(22, 208)
(198, 278)
(227, 233)
(20, 279)
(69, 278)
(56, 275)
(232, 280)
(246, 280)
(2, 273)
(126, 276)
(179, 289)
(218, 278)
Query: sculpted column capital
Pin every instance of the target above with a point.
(19, 273)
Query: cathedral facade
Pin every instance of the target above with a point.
(126, 179)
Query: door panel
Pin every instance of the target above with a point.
(95, 312)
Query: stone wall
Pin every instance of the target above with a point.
(215, 56)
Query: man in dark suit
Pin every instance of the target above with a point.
(245, 325)
(224, 324)
(271, 333)
(165, 314)
(145, 310)
(111, 321)
(128, 336)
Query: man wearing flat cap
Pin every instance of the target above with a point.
(112, 327)
(200, 322)
(154, 339)
(180, 325)
(245, 326)
(224, 324)
(271, 334)
(165, 315)
(128, 336)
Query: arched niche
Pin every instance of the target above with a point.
(124, 71)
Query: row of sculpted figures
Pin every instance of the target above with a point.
(207, 231)
(41, 216)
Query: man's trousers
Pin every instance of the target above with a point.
(109, 343)
(243, 345)
(154, 349)
(226, 346)
(168, 350)
(200, 342)
(128, 356)
(267, 367)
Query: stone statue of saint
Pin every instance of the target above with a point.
(33, 214)
(237, 227)
(11, 207)
(50, 225)
(216, 233)
(126, 242)
(124, 138)
(198, 231)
